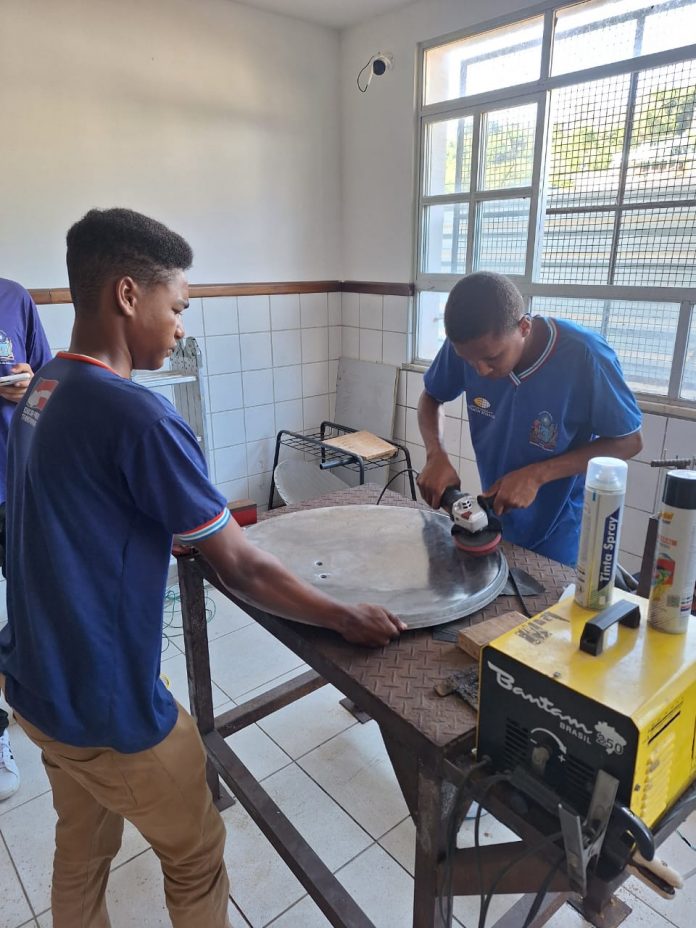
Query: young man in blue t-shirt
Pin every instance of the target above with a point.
(102, 474)
(543, 396)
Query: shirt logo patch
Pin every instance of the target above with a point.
(37, 399)
(544, 432)
(6, 349)
(482, 406)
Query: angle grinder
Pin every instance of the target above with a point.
(477, 529)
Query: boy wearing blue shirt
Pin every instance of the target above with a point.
(543, 396)
(102, 475)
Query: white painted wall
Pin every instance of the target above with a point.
(220, 120)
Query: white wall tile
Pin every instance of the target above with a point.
(315, 344)
(314, 310)
(259, 422)
(259, 488)
(285, 311)
(57, 321)
(653, 437)
(395, 348)
(641, 487)
(287, 347)
(633, 530)
(417, 453)
(234, 489)
(193, 318)
(230, 463)
(350, 309)
(335, 308)
(228, 428)
(466, 449)
(257, 387)
(333, 376)
(469, 476)
(334, 342)
(370, 345)
(256, 351)
(225, 392)
(350, 342)
(630, 562)
(315, 378)
(220, 315)
(370, 311)
(222, 354)
(453, 434)
(260, 456)
(254, 313)
(395, 314)
(454, 407)
(287, 383)
(332, 407)
(413, 435)
(400, 423)
(680, 438)
(414, 388)
(401, 388)
(315, 410)
(288, 415)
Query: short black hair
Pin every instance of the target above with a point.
(481, 304)
(110, 243)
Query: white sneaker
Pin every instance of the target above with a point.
(9, 772)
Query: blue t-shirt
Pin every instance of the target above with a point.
(573, 393)
(22, 339)
(102, 473)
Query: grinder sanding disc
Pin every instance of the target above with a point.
(397, 557)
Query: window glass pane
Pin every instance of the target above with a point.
(642, 334)
(501, 236)
(576, 248)
(508, 147)
(499, 58)
(662, 159)
(688, 387)
(657, 248)
(586, 130)
(431, 326)
(444, 238)
(599, 32)
(448, 156)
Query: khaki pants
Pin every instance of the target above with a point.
(163, 792)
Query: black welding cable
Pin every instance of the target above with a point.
(406, 470)
(535, 849)
(541, 894)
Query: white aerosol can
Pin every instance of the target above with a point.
(674, 567)
(602, 511)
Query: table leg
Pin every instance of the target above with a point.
(434, 798)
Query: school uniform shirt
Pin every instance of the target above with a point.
(102, 473)
(22, 339)
(574, 392)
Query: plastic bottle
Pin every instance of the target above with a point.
(674, 568)
(602, 511)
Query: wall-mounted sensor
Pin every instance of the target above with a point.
(378, 65)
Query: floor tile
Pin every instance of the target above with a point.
(380, 887)
(269, 684)
(14, 908)
(260, 882)
(258, 752)
(304, 914)
(322, 823)
(355, 770)
(29, 834)
(34, 781)
(247, 659)
(224, 615)
(307, 723)
(679, 856)
(174, 668)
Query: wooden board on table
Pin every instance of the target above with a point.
(367, 445)
(473, 639)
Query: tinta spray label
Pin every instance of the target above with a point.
(599, 546)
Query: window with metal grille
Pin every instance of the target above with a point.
(561, 150)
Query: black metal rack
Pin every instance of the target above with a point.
(314, 443)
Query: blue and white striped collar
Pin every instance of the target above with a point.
(543, 357)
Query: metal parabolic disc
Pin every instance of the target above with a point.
(400, 558)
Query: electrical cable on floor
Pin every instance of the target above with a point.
(406, 470)
(172, 626)
(686, 840)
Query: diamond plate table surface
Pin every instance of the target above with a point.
(402, 674)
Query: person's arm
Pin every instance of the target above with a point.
(438, 473)
(261, 580)
(519, 488)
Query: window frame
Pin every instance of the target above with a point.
(536, 91)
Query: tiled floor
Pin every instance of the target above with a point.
(331, 777)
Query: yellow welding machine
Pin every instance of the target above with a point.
(563, 714)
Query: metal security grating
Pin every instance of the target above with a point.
(501, 242)
(576, 247)
(642, 334)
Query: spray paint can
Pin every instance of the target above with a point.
(674, 568)
(600, 533)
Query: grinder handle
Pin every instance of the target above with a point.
(449, 498)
